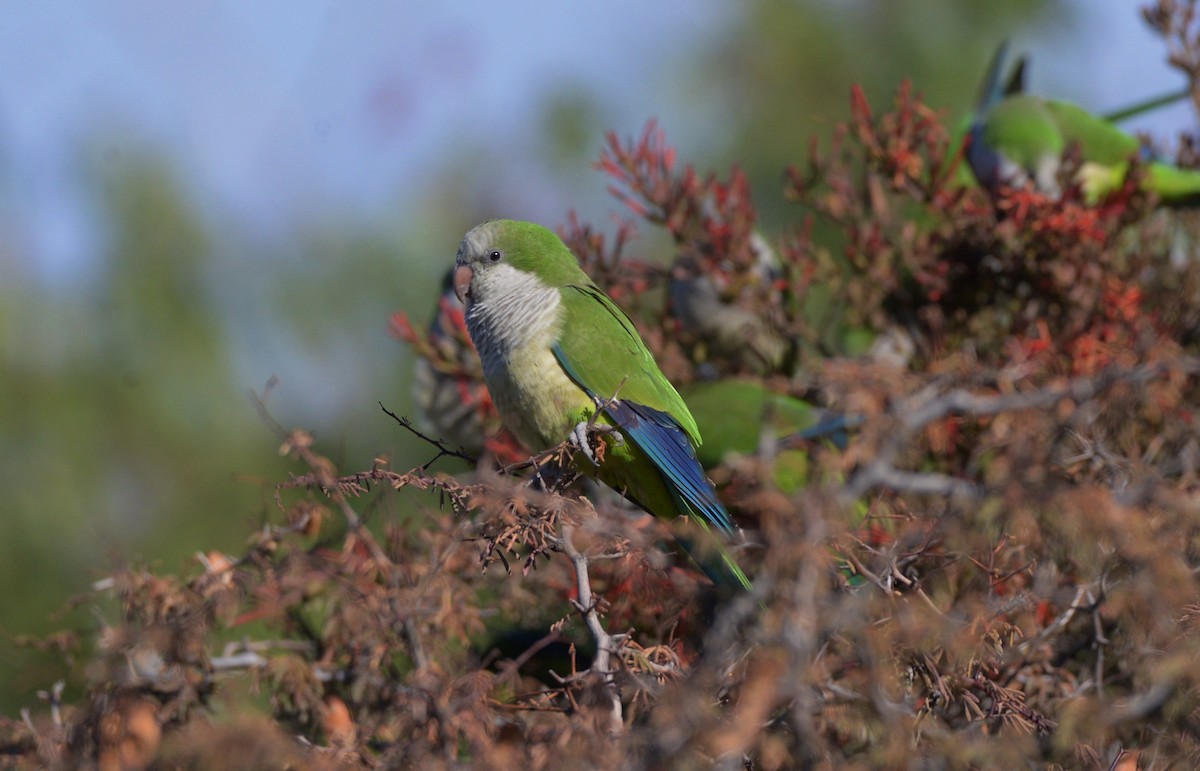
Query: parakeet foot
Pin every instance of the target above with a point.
(581, 440)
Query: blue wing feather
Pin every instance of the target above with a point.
(664, 441)
(667, 445)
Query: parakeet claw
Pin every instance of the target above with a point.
(581, 440)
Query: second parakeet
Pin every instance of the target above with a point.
(737, 414)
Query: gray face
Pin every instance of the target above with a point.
(476, 254)
(507, 308)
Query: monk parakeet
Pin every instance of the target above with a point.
(557, 352)
(1017, 137)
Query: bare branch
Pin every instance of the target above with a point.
(442, 450)
(914, 413)
(606, 645)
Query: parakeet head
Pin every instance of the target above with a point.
(504, 256)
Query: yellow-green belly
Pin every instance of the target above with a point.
(541, 405)
(536, 399)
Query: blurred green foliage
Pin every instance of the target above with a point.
(126, 426)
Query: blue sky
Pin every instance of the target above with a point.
(276, 109)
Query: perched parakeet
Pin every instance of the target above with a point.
(1017, 138)
(557, 351)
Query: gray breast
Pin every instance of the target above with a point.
(513, 310)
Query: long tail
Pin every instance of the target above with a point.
(715, 561)
(998, 84)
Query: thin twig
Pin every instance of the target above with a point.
(443, 450)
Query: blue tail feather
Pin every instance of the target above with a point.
(833, 427)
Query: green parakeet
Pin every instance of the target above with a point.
(1017, 137)
(736, 415)
(555, 349)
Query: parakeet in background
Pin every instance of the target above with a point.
(1016, 138)
(737, 415)
(454, 406)
(556, 351)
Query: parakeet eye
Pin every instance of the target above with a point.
(495, 255)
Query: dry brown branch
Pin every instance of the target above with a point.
(914, 413)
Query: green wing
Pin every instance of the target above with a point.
(732, 412)
(602, 350)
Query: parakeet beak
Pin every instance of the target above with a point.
(462, 282)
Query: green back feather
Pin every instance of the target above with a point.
(1099, 141)
(732, 412)
(1023, 129)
